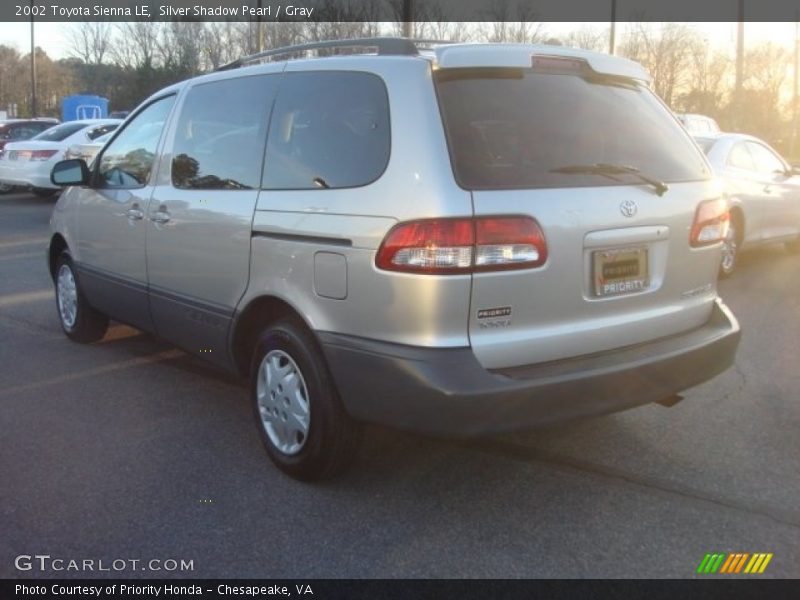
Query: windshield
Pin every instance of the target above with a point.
(60, 132)
(518, 128)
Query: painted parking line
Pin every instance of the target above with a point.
(25, 298)
(25, 242)
(77, 376)
(20, 255)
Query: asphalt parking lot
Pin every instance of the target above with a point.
(129, 449)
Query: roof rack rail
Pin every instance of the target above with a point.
(387, 46)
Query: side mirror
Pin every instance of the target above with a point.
(70, 172)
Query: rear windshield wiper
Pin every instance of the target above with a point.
(609, 170)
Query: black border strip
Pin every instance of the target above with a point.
(728, 588)
(577, 11)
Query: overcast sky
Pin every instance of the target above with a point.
(52, 36)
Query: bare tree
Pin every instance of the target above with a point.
(179, 46)
(588, 38)
(89, 41)
(709, 73)
(511, 23)
(221, 43)
(11, 72)
(665, 51)
(135, 46)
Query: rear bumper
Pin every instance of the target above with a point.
(445, 391)
(38, 178)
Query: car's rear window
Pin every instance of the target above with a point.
(516, 128)
(60, 132)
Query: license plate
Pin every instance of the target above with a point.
(620, 271)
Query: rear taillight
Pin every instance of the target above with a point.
(711, 222)
(42, 154)
(446, 246)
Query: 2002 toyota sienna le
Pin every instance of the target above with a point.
(454, 240)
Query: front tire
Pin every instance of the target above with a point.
(80, 322)
(305, 430)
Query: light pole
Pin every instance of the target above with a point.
(794, 95)
(33, 70)
(739, 66)
(408, 18)
(613, 35)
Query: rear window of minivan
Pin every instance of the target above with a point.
(517, 128)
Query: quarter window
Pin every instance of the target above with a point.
(766, 161)
(330, 129)
(221, 132)
(740, 158)
(128, 161)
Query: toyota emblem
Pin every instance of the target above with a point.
(628, 208)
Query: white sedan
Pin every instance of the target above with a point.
(763, 191)
(29, 163)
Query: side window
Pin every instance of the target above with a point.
(22, 133)
(740, 158)
(330, 129)
(766, 161)
(222, 128)
(96, 132)
(128, 161)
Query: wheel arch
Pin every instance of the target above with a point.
(57, 245)
(251, 322)
(737, 216)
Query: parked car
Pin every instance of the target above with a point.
(764, 192)
(88, 150)
(28, 164)
(698, 124)
(458, 240)
(15, 130)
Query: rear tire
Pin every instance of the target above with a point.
(303, 425)
(80, 322)
(730, 249)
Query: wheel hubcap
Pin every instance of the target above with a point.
(283, 405)
(729, 250)
(67, 294)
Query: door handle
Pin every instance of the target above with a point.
(134, 214)
(160, 216)
(768, 189)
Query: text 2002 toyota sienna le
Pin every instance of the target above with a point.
(456, 240)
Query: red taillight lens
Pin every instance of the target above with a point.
(711, 222)
(447, 246)
(42, 154)
(508, 243)
(435, 246)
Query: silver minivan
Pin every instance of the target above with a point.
(451, 239)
